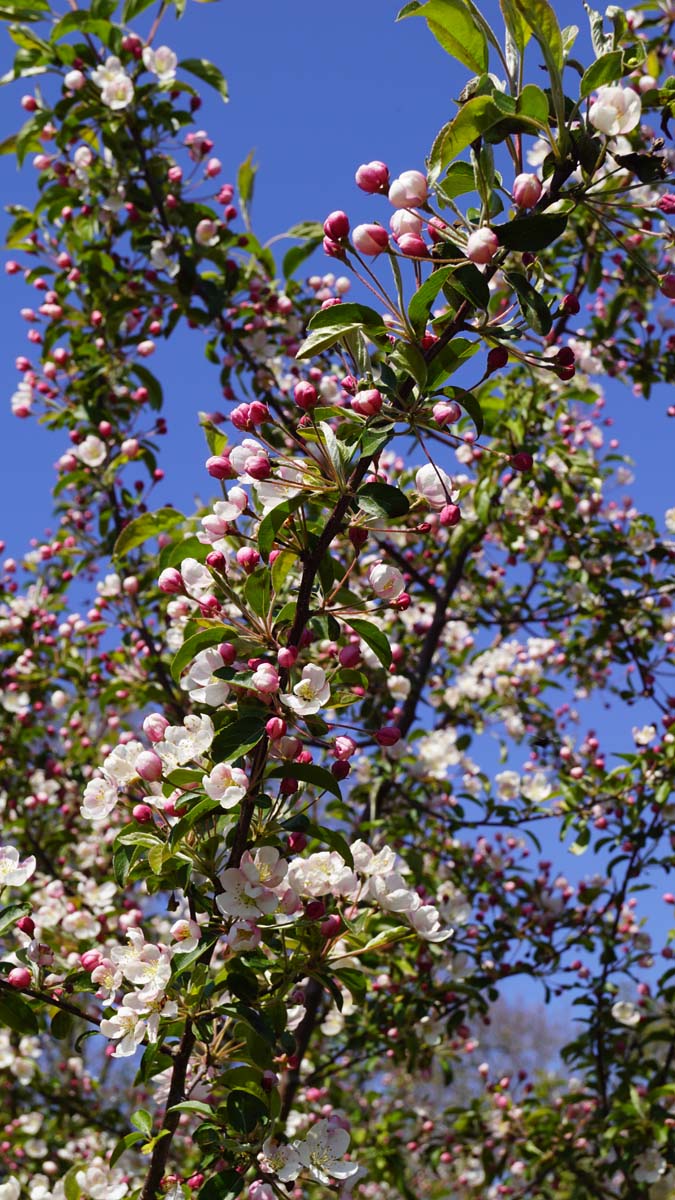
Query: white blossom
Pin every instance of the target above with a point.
(311, 693)
(13, 872)
(226, 784)
(626, 1013)
(92, 451)
(615, 110)
(201, 682)
(162, 62)
(322, 1152)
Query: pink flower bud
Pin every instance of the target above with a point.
(344, 747)
(497, 358)
(213, 168)
(412, 246)
(370, 239)
(446, 412)
(667, 286)
(450, 515)
(666, 204)
(216, 560)
(482, 245)
(258, 413)
(331, 927)
(219, 467)
(276, 728)
(248, 558)
(148, 766)
(91, 959)
(258, 466)
(154, 726)
(367, 403)
(265, 679)
(372, 177)
(227, 652)
(305, 395)
(409, 190)
(26, 925)
(336, 225)
(29, 103)
(297, 842)
(350, 656)
(74, 81)
(19, 977)
(526, 190)
(522, 461)
(241, 418)
(142, 813)
(388, 735)
(287, 657)
(315, 910)
(171, 581)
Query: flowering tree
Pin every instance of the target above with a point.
(276, 775)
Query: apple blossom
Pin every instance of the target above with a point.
(228, 785)
(370, 239)
(387, 582)
(13, 871)
(615, 110)
(526, 190)
(310, 694)
(162, 62)
(408, 190)
(482, 245)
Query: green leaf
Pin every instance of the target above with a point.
(15, 1013)
(607, 69)
(533, 103)
(245, 1111)
(460, 178)
(11, 914)
(130, 1139)
(226, 1185)
(470, 404)
(142, 1120)
(308, 773)
(374, 638)
(454, 27)
(540, 16)
(192, 645)
(257, 592)
(339, 316)
(61, 1025)
(245, 184)
(294, 257)
(142, 528)
(450, 359)
(379, 498)
(237, 738)
(471, 284)
(71, 1187)
(420, 304)
(531, 233)
(516, 24)
(210, 74)
(532, 304)
(473, 119)
(271, 523)
(132, 8)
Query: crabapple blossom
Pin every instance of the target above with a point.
(372, 177)
(201, 682)
(408, 190)
(615, 110)
(482, 245)
(435, 485)
(92, 451)
(387, 582)
(162, 62)
(310, 694)
(322, 1152)
(370, 240)
(118, 93)
(13, 871)
(526, 190)
(228, 785)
